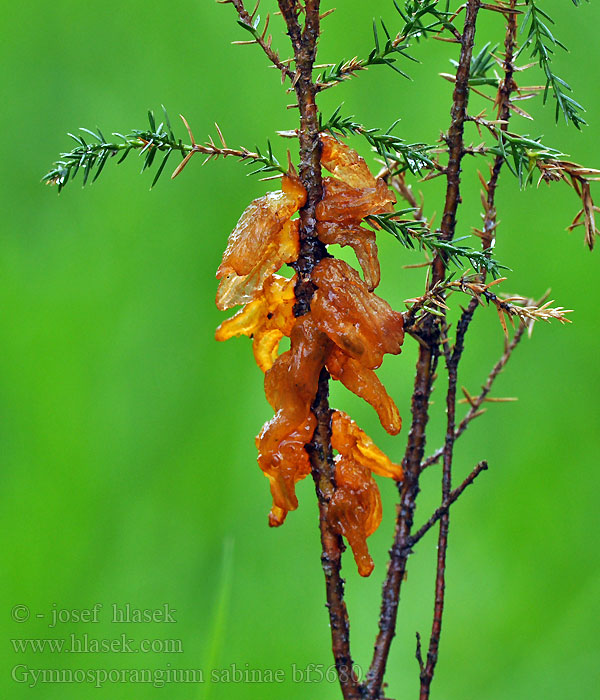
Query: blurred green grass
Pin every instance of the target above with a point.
(127, 432)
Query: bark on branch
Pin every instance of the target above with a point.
(452, 362)
(425, 371)
(304, 42)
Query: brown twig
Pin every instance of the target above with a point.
(211, 150)
(455, 494)
(304, 42)
(505, 90)
(523, 308)
(477, 402)
(426, 675)
(400, 549)
(262, 40)
(454, 138)
(428, 353)
(331, 543)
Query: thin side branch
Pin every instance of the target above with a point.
(250, 24)
(488, 233)
(425, 371)
(514, 306)
(455, 494)
(212, 151)
(452, 362)
(475, 410)
(91, 157)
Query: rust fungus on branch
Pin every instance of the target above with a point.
(347, 331)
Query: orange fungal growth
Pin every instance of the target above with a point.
(364, 383)
(237, 289)
(361, 240)
(266, 319)
(284, 467)
(262, 241)
(353, 193)
(348, 197)
(342, 203)
(355, 509)
(291, 383)
(347, 331)
(349, 440)
(360, 323)
(261, 220)
(345, 163)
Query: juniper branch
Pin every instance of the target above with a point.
(425, 370)
(542, 42)
(394, 150)
(475, 409)
(251, 23)
(524, 155)
(413, 232)
(91, 158)
(304, 42)
(421, 18)
(511, 306)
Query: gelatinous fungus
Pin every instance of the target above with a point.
(344, 204)
(251, 239)
(345, 163)
(347, 331)
(353, 192)
(262, 241)
(291, 383)
(359, 322)
(355, 508)
(266, 319)
(361, 240)
(363, 382)
(284, 467)
(349, 440)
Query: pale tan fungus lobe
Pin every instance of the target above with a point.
(263, 240)
(344, 163)
(267, 320)
(253, 234)
(353, 193)
(237, 289)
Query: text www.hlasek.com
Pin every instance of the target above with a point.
(84, 644)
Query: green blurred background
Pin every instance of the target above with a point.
(127, 431)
